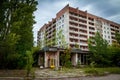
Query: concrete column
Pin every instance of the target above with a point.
(45, 60)
(76, 59)
(58, 52)
(83, 60)
(39, 60)
(57, 59)
(80, 59)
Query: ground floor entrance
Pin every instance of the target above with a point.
(52, 57)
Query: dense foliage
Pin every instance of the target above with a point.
(103, 54)
(65, 58)
(16, 36)
(98, 49)
(115, 50)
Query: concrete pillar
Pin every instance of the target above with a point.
(39, 60)
(80, 58)
(45, 60)
(76, 58)
(57, 59)
(83, 59)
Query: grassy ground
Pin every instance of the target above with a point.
(12, 73)
(102, 71)
(76, 72)
(64, 72)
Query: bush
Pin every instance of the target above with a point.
(102, 71)
(92, 71)
(30, 61)
(68, 64)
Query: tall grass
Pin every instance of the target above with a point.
(102, 71)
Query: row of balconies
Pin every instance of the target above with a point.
(50, 35)
(82, 32)
(82, 47)
(76, 19)
(51, 31)
(114, 26)
(81, 29)
(50, 27)
(82, 17)
(78, 40)
(72, 23)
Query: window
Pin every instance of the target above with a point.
(59, 22)
(60, 17)
(62, 25)
(63, 21)
(63, 15)
(105, 36)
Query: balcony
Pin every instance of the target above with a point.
(75, 21)
(83, 32)
(84, 48)
(82, 38)
(91, 23)
(76, 16)
(82, 23)
(72, 31)
(82, 17)
(82, 28)
(91, 30)
(74, 37)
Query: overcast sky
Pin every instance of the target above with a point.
(47, 9)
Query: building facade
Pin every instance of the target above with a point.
(76, 26)
(73, 27)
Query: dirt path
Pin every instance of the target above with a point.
(108, 77)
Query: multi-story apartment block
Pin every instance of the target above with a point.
(73, 27)
(76, 26)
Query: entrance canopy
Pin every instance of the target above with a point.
(54, 49)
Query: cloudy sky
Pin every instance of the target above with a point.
(47, 9)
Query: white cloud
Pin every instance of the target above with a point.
(115, 3)
(115, 18)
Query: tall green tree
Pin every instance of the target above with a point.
(16, 23)
(60, 37)
(117, 37)
(99, 50)
(115, 50)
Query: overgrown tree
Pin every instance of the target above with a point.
(99, 50)
(65, 58)
(29, 59)
(35, 55)
(114, 49)
(60, 37)
(16, 37)
(117, 37)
